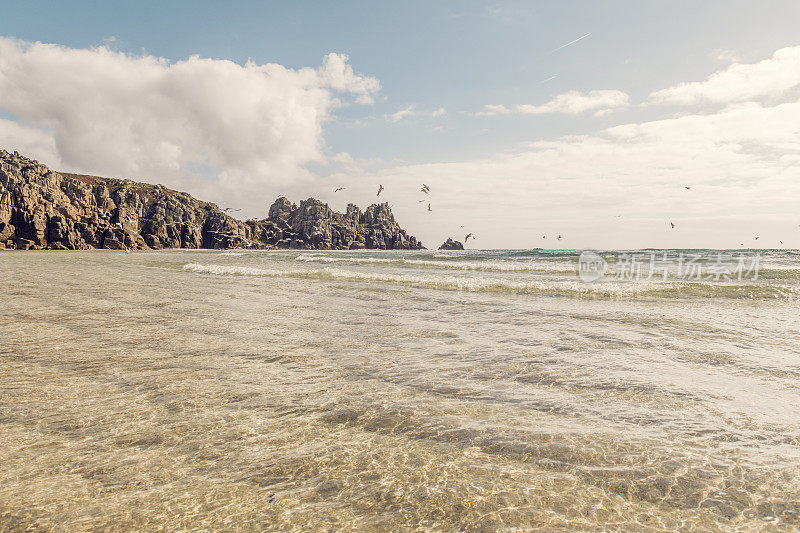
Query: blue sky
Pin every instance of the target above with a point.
(444, 62)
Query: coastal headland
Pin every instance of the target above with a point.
(43, 209)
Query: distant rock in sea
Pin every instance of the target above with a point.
(450, 244)
(40, 209)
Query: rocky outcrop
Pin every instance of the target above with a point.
(450, 244)
(313, 224)
(40, 208)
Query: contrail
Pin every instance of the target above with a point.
(548, 79)
(569, 43)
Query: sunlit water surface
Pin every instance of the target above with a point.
(385, 390)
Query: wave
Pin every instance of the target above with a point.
(789, 273)
(576, 288)
(486, 266)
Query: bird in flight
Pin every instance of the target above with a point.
(429, 207)
(425, 189)
(673, 225)
(226, 209)
(756, 238)
(420, 201)
(380, 188)
(339, 189)
(559, 237)
(467, 237)
(687, 188)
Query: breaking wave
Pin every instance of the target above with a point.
(554, 287)
(487, 266)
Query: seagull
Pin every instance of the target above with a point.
(379, 190)
(429, 207)
(559, 237)
(756, 238)
(673, 225)
(340, 189)
(467, 237)
(226, 209)
(544, 236)
(420, 201)
(425, 188)
(687, 188)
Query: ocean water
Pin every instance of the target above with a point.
(382, 391)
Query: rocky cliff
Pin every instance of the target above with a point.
(40, 208)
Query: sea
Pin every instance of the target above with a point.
(498, 390)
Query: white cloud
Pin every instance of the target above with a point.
(740, 82)
(574, 103)
(491, 110)
(26, 141)
(725, 56)
(439, 112)
(338, 74)
(199, 123)
(408, 111)
(740, 162)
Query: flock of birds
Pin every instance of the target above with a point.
(219, 235)
(689, 188)
(426, 190)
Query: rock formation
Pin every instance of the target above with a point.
(40, 208)
(313, 224)
(450, 244)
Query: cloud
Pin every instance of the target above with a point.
(491, 110)
(26, 140)
(740, 82)
(198, 124)
(338, 74)
(408, 111)
(573, 103)
(411, 110)
(741, 163)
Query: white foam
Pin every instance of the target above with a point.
(464, 283)
(486, 266)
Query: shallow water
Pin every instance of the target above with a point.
(386, 390)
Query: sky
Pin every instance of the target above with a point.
(528, 120)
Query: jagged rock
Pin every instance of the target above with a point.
(40, 208)
(450, 244)
(313, 224)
